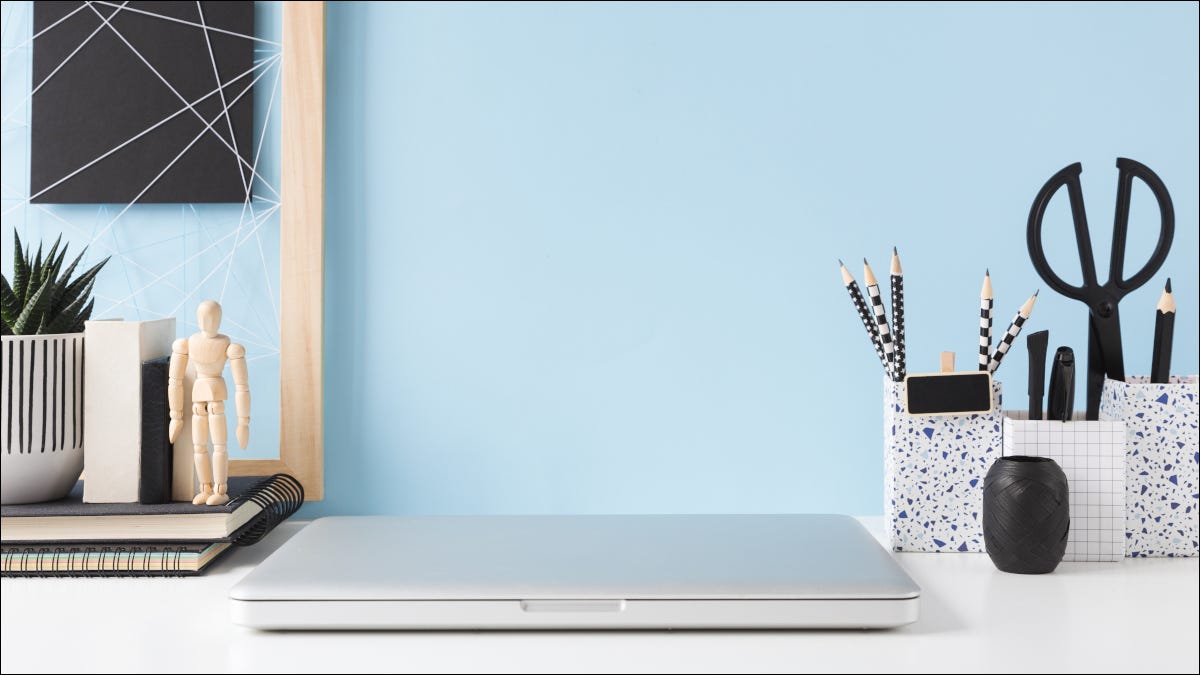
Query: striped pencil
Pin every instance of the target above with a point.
(898, 314)
(885, 331)
(1014, 329)
(860, 306)
(985, 322)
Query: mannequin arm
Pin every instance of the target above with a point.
(241, 397)
(179, 359)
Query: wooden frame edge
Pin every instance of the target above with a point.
(301, 255)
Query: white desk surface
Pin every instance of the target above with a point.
(1136, 616)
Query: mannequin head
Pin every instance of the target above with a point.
(208, 315)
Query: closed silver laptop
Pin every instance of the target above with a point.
(595, 572)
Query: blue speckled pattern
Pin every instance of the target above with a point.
(1162, 455)
(933, 474)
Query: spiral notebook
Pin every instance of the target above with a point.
(135, 539)
(109, 559)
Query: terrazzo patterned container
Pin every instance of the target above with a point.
(933, 473)
(1162, 452)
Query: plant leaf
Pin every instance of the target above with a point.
(48, 264)
(20, 269)
(54, 263)
(4, 328)
(44, 298)
(86, 278)
(61, 298)
(83, 316)
(65, 319)
(35, 271)
(10, 307)
(60, 283)
(31, 315)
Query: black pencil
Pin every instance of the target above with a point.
(1164, 335)
(898, 314)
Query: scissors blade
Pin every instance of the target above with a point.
(1105, 357)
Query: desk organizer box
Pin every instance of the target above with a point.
(1092, 454)
(1162, 450)
(933, 473)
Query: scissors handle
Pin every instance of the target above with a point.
(1129, 169)
(1100, 297)
(1068, 176)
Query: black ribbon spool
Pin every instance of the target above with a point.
(1026, 514)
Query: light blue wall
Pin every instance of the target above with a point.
(583, 258)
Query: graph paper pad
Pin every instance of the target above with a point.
(1092, 454)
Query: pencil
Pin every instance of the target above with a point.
(885, 331)
(985, 322)
(1164, 334)
(1014, 329)
(861, 306)
(898, 314)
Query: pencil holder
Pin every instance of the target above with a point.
(1092, 455)
(1161, 446)
(933, 473)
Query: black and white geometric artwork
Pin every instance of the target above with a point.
(147, 102)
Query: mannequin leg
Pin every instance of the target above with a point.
(220, 459)
(200, 453)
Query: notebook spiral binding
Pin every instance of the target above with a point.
(107, 561)
(279, 496)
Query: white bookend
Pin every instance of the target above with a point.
(113, 352)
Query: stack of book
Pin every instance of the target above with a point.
(71, 538)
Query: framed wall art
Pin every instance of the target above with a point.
(184, 142)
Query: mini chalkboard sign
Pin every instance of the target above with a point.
(948, 392)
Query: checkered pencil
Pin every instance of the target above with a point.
(898, 314)
(1014, 329)
(885, 331)
(860, 306)
(985, 322)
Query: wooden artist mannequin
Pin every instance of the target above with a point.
(208, 351)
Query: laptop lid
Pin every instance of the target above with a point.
(642, 557)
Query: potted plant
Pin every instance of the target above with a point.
(41, 355)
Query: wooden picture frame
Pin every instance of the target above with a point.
(301, 253)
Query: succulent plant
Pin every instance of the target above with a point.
(43, 299)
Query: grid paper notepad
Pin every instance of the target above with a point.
(1092, 454)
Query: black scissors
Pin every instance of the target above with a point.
(1104, 326)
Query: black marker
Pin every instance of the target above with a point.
(1036, 343)
(1061, 405)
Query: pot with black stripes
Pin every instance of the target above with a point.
(42, 313)
(41, 416)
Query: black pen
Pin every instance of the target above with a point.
(1036, 344)
(1061, 405)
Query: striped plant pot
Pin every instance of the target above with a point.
(41, 416)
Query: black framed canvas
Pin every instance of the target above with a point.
(141, 102)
